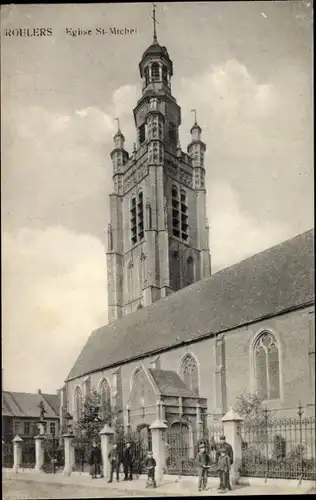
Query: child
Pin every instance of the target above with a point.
(223, 467)
(114, 459)
(203, 461)
(150, 464)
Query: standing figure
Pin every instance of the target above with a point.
(223, 467)
(150, 464)
(204, 461)
(95, 460)
(229, 451)
(114, 459)
(128, 462)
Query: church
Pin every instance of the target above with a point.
(183, 343)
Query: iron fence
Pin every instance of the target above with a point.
(183, 444)
(141, 443)
(279, 448)
(7, 454)
(82, 448)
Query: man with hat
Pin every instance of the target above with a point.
(204, 461)
(128, 459)
(229, 452)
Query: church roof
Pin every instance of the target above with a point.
(155, 49)
(266, 284)
(170, 384)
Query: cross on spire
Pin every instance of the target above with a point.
(155, 22)
(194, 111)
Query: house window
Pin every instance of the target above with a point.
(17, 427)
(105, 399)
(184, 216)
(189, 373)
(78, 403)
(155, 72)
(52, 428)
(267, 367)
(27, 428)
(173, 133)
(142, 133)
(175, 211)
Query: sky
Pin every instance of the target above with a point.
(246, 67)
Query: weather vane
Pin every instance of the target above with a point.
(194, 111)
(154, 22)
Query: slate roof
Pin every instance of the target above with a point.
(170, 384)
(266, 284)
(24, 404)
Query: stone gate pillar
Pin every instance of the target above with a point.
(232, 430)
(69, 452)
(17, 453)
(106, 435)
(39, 452)
(158, 429)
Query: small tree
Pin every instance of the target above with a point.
(90, 422)
(249, 406)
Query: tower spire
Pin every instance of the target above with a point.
(155, 22)
(194, 112)
(118, 124)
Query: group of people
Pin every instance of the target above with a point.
(116, 459)
(224, 458)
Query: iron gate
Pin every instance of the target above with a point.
(183, 447)
(82, 447)
(141, 443)
(28, 454)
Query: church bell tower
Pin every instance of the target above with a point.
(158, 239)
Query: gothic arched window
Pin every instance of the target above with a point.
(130, 268)
(105, 398)
(133, 220)
(155, 72)
(189, 373)
(190, 271)
(267, 366)
(184, 216)
(78, 403)
(175, 211)
(140, 216)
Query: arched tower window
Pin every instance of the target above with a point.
(175, 211)
(155, 72)
(190, 270)
(140, 216)
(267, 366)
(146, 72)
(133, 221)
(105, 398)
(78, 398)
(189, 373)
(184, 216)
(165, 75)
(130, 293)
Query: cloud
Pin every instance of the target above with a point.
(55, 295)
(236, 235)
(125, 99)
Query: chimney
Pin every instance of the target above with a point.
(39, 391)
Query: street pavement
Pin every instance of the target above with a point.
(32, 485)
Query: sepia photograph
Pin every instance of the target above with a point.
(158, 294)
